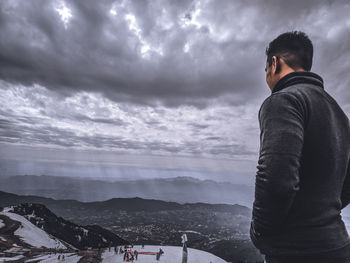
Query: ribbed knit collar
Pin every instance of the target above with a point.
(297, 77)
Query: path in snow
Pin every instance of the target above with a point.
(69, 258)
(172, 254)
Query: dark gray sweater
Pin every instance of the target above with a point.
(303, 177)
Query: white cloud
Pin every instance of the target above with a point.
(145, 46)
(215, 132)
(64, 12)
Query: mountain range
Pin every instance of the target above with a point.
(177, 189)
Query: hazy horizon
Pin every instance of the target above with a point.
(148, 174)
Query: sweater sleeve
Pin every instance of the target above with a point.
(281, 120)
(345, 194)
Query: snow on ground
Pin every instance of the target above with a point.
(4, 259)
(52, 258)
(1, 224)
(33, 235)
(42, 257)
(346, 220)
(172, 254)
(8, 209)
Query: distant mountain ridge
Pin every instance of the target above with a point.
(66, 208)
(177, 189)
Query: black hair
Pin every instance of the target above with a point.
(294, 47)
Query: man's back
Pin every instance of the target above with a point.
(304, 159)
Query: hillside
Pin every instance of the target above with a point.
(32, 233)
(81, 237)
(19, 230)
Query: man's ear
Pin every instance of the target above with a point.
(274, 65)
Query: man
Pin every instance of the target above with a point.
(303, 177)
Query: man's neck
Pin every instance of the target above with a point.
(297, 77)
(286, 71)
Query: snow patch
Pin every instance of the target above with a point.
(8, 209)
(16, 249)
(85, 232)
(191, 231)
(5, 259)
(172, 254)
(1, 224)
(33, 235)
(78, 237)
(30, 216)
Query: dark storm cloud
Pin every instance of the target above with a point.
(199, 127)
(98, 51)
(172, 78)
(214, 138)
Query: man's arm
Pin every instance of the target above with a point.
(281, 119)
(345, 194)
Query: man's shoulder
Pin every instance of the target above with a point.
(282, 98)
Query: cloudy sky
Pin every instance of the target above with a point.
(138, 89)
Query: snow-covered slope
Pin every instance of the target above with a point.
(80, 237)
(31, 234)
(172, 254)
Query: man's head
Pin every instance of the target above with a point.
(290, 51)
